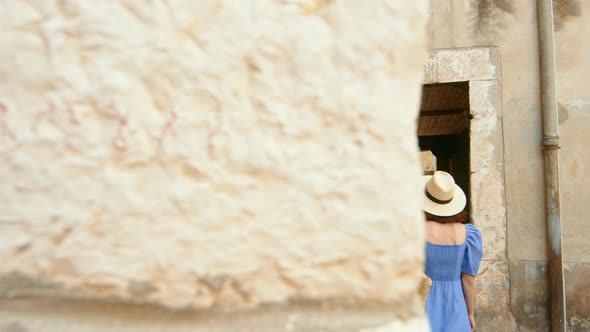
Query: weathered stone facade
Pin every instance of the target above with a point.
(210, 155)
(511, 27)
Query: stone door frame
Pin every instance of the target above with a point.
(481, 68)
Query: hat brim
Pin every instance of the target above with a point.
(456, 205)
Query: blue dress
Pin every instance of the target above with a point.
(445, 305)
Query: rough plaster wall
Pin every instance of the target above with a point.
(488, 204)
(211, 153)
(574, 180)
(574, 99)
(574, 183)
(511, 25)
(573, 96)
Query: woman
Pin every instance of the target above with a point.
(453, 254)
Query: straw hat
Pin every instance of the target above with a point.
(442, 197)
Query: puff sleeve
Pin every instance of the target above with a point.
(473, 251)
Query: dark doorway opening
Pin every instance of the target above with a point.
(443, 129)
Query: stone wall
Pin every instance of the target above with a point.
(210, 155)
(512, 27)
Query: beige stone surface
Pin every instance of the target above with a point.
(211, 153)
(488, 207)
(574, 180)
(428, 161)
(493, 297)
(456, 65)
(47, 315)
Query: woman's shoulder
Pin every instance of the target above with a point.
(473, 233)
(473, 250)
(471, 228)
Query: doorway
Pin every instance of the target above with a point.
(443, 131)
(461, 120)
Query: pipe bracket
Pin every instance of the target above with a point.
(551, 142)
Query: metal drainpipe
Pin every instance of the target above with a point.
(551, 158)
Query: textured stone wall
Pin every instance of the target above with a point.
(428, 161)
(211, 154)
(511, 26)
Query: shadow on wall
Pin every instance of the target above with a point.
(563, 10)
(487, 14)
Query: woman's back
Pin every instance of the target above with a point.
(445, 233)
(444, 250)
(451, 249)
(453, 253)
